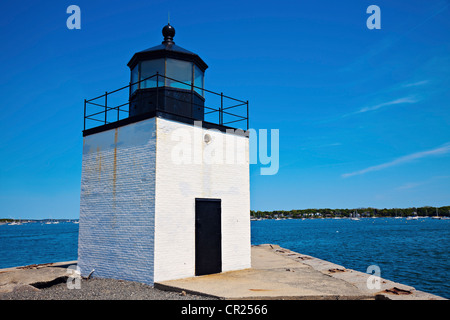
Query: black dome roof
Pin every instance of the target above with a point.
(168, 49)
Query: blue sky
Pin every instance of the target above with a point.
(363, 114)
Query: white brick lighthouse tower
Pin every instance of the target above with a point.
(165, 179)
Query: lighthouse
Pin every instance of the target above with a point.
(165, 190)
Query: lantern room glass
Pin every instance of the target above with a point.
(150, 68)
(198, 80)
(181, 71)
(134, 78)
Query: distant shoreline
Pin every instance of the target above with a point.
(350, 218)
(252, 218)
(10, 220)
(369, 212)
(413, 212)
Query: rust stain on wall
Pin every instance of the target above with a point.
(99, 163)
(116, 135)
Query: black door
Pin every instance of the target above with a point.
(208, 236)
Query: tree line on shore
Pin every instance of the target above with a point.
(426, 211)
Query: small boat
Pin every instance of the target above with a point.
(437, 215)
(354, 216)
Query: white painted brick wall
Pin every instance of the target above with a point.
(116, 236)
(177, 186)
(137, 212)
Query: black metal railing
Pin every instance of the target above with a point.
(110, 107)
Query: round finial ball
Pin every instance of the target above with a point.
(168, 31)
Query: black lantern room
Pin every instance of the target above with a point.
(167, 78)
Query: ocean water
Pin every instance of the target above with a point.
(412, 252)
(33, 243)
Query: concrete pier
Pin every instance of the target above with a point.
(279, 273)
(276, 273)
(33, 276)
